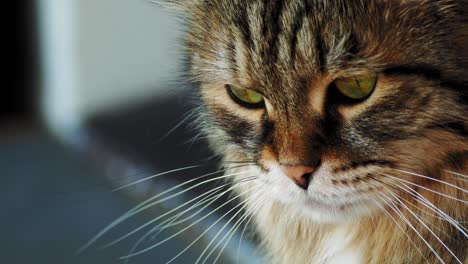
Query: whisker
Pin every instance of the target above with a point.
(216, 236)
(393, 206)
(149, 203)
(186, 228)
(398, 225)
(425, 188)
(173, 221)
(433, 179)
(155, 176)
(187, 117)
(242, 235)
(208, 194)
(239, 222)
(458, 174)
(190, 181)
(427, 228)
(238, 162)
(429, 214)
(424, 201)
(166, 225)
(244, 204)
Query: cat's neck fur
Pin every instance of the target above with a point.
(292, 238)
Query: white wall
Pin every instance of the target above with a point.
(98, 55)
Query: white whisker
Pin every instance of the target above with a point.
(433, 179)
(427, 228)
(398, 225)
(155, 176)
(242, 235)
(166, 225)
(217, 234)
(168, 213)
(458, 174)
(144, 205)
(239, 222)
(188, 116)
(393, 206)
(172, 221)
(212, 225)
(424, 201)
(186, 228)
(425, 188)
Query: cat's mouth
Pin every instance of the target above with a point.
(327, 197)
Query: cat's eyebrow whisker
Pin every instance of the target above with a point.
(149, 203)
(184, 229)
(427, 228)
(159, 228)
(394, 207)
(425, 188)
(432, 179)
(187, 116)
(198, 136)
(229, 232)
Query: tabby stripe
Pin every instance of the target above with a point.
(242, 24)
(456, 127)
(296, 28)
(231, 47)
(434, 75)
(274, 12)
(456, 158)
(321, 48)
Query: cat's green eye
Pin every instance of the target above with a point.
(356, 87)
(245, 97)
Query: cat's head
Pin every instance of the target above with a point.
(332, 102)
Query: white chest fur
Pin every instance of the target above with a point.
(338, 248)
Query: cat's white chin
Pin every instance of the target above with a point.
(321, 202)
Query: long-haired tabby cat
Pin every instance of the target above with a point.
(344, 122)
(352, 117)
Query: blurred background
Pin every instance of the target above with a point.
(92, 90)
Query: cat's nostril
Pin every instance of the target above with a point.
(298, 174)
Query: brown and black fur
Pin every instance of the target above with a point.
(417, 119)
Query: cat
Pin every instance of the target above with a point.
(350, 120)
(342, 124)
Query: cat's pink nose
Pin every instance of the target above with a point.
(299, 174)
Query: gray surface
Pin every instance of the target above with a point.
(53, 201)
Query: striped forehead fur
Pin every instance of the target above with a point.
(308, 35)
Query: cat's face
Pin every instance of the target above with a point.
(331, 101)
